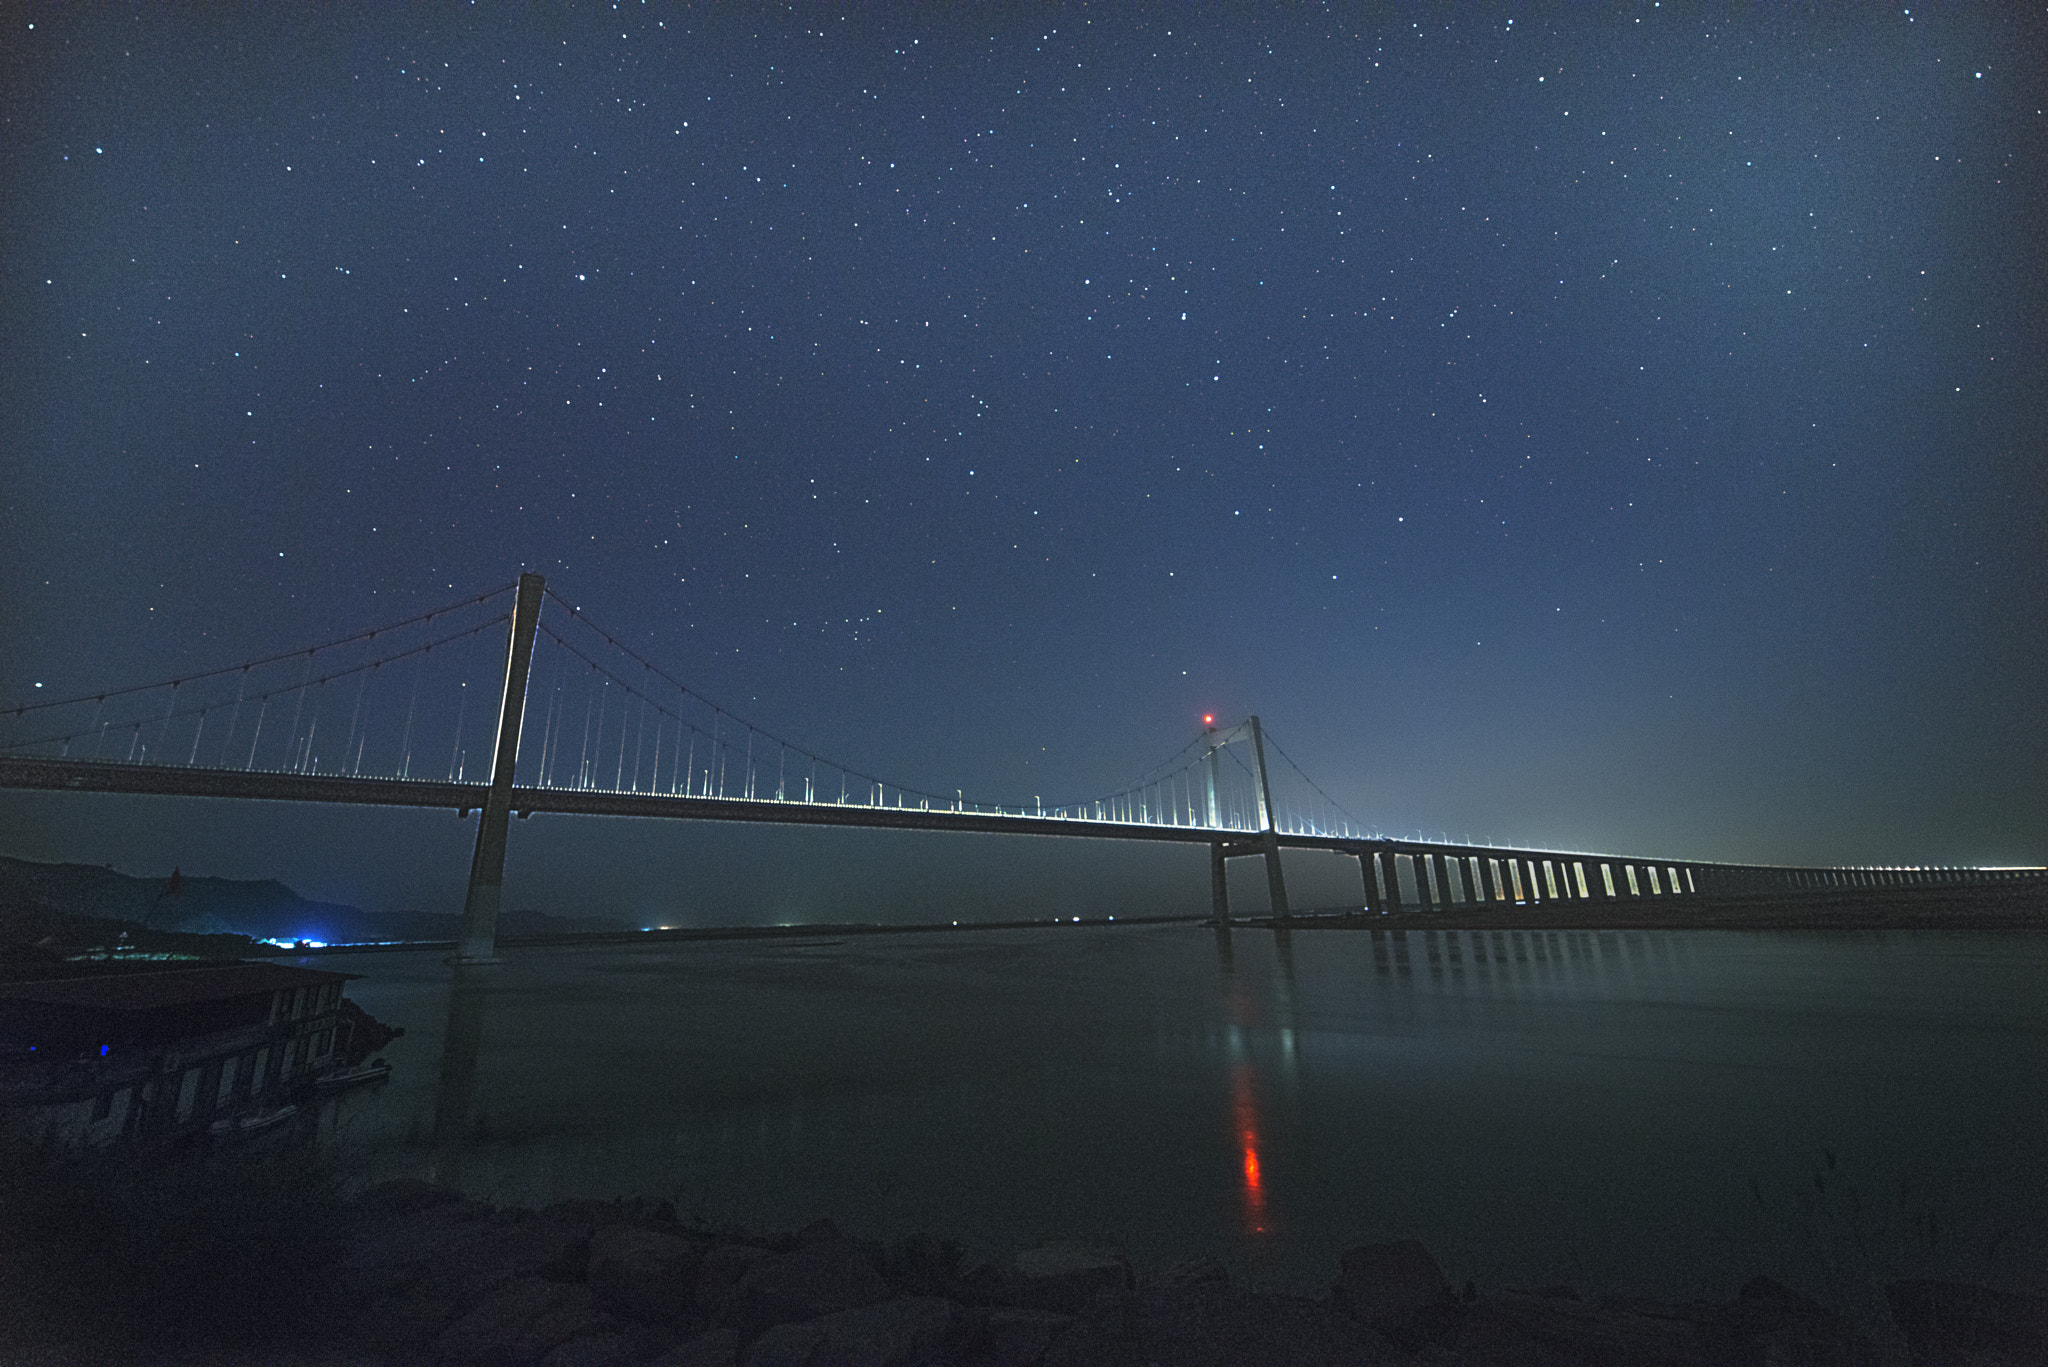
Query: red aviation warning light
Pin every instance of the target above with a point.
(1208, 719)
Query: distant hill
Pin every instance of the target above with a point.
(263, 909)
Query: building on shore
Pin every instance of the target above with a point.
(89, 1058)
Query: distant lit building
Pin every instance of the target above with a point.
(99, 1056)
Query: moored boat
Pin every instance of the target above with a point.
(253, 1122)
(376, 1070)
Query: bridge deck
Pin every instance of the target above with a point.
(94, 776)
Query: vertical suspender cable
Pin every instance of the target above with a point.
(313, 726)
(89, 726)
(619, 774)
(228, 741)
(355, 715)
(461, 714)
(419, 667)
(654, 780)
(291, 753)
(256, 735)
(583, 752)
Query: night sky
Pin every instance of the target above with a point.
(1604, 428)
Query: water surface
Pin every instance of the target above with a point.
(1655, 1112)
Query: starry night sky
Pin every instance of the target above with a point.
(1615, 428)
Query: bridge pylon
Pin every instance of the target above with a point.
(478, 943)
(1264, 841)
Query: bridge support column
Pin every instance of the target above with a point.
(1219, 886)
(479, 939)
(1276, 885)
(1390, 879)
(1372, 893)
(1418, 867)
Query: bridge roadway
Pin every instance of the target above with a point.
(1437, 874)
(91, 776)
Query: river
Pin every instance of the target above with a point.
(1661, 1113)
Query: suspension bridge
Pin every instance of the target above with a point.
(583, 725)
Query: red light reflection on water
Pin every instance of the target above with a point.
(1244, 1115)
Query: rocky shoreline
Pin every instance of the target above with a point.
(428, 1276)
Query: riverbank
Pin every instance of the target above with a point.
(408, 1273)
(2022, 906)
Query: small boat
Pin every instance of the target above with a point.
(252, 1122)
(376, 1070)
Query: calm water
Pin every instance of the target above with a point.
(1649, 1112)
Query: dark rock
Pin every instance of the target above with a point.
(911, 1331)
(1210, 1325)
(1070, 1278)
(718, 1347)
(606, 1342)
(817, 1279)
(483, 1253)
(647, 1210)
(1516, 1329)
(411, 1275)
(920, 1265)
(816, 1232)
(642, 1274)
(1970, 1326)
(574, 1263)
(1763, 1292)
(725, 1265)
(1770, 1323)
(1015, 1338)
(984, 1284)
(584, 1210)
(1191, 1272)
(515, 1325)
(403, 1195)
(1396, 1289)
(403, 1320)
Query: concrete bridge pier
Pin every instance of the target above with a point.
(1219, 886)
(478, 943)
(1418, 865)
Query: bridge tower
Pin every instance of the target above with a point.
(1266, 840)
(1219, 883)
(478, 943)
(1276, 886)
